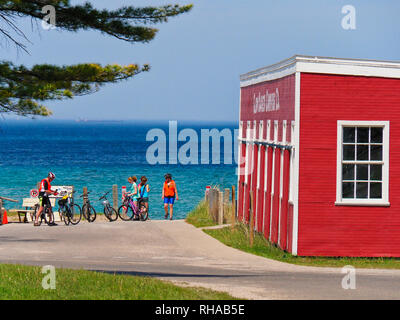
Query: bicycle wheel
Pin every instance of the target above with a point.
(35, 212)
(89, 212)
(75, 214)
(64, 214)
(110, 213)
(49, 217)
(144, 214)
(125, 212)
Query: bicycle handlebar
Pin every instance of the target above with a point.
(104, 195)
(84, 195)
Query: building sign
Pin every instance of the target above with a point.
(269, 100)
(266, 102)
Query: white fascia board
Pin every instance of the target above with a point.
(348, 70)
(322, 65)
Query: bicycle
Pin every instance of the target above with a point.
(110, 213)
(69, 212)
(47, 216)
(128, 210)
(87, 209)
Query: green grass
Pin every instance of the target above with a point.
(200, 217)
(24, 282)
(239, 239)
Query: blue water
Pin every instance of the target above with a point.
(98, 155)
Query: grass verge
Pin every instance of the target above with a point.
(239, 239)
(19, 282)
(200, 217)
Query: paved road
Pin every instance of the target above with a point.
(179, 252)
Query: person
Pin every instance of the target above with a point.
(144, 190)
(44, 192)
(169, 195)
(133, 193)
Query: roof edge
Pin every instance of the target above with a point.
(315, 60)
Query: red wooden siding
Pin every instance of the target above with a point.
(326, 229)
(284, 201)
(260, 191)
(266, 208)
(267, 196)
(241, 173)
(254, 180)
(275, 198)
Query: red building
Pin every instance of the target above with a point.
(315, 151)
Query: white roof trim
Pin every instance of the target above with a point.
(308, 64)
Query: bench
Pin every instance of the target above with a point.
(29, 204)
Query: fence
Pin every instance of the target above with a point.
(220, 209)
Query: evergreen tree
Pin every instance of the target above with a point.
(23, 89)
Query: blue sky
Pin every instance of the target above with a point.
(197, 58)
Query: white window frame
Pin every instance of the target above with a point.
(385, 168)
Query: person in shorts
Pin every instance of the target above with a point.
(144, 190)
(44, 200)
(133, 193)
(169, 195)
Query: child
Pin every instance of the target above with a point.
(169, 194)
(144, 190)
(133, 192)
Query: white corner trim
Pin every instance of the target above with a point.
(296, 162)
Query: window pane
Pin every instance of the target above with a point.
(348, 190)
(375, 190)
(376, 153)
(376, 172)
(362, 172)
(362, 153)
(376, 135)
(349, 135)
(348, 171)
(362, 190)
(363, 135)
(349, 152)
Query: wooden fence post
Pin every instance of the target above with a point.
(226, 205)
(72, 194)
(115, 196)
(220, 207)
(84, 194)
(233, 223)
(251, 219)
(226, 195)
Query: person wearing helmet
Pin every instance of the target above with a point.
(44, 192)
(169, 194)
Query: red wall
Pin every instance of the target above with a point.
(326, 229)
(263, 200)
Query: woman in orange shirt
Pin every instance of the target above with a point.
(169, 194)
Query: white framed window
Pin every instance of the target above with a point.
(362, 163)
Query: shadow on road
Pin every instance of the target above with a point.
(14, 239)
(177, 275)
